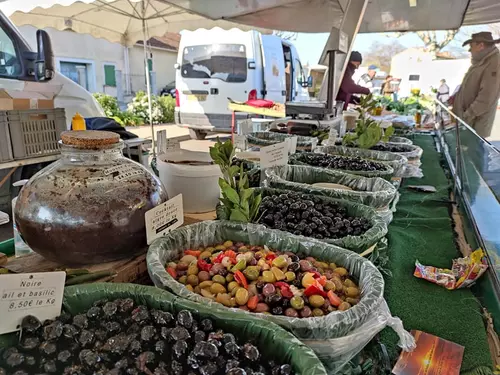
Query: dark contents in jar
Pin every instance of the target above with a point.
(118, 337)
(310, 216)
(81, 214)
(350, 163)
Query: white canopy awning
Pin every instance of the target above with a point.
(321, 15)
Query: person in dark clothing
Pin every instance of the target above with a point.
(348, 87)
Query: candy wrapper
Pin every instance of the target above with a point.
(463, 274)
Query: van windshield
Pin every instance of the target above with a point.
(227, 62)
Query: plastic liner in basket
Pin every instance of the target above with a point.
(374, 192)
(355, 243)
(262, 139)
(397, 162)
(325, 334)
(268, 337)
(387, 173)
(402, 140)
(411, 152)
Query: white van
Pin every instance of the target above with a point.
(214, 65)
(17, 66)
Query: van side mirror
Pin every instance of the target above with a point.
(44, 63)
(310, 81)
(177, 66)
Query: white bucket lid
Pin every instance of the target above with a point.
(186, 170)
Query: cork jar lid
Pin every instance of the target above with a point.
(89, 139)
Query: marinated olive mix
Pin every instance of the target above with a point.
(310, 216)
(257, 279)
(120, 338)
(351, 163)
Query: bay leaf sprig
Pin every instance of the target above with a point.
(239, 201)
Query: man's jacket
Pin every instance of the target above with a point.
(476, 101)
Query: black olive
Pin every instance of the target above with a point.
(30, 324)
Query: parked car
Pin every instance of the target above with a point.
(169, 90)
(214, 65)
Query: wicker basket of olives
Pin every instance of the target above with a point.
(395, 161)
(338, 222)
(374, 192)
(262, 139)
(132, 329)
(314, 290)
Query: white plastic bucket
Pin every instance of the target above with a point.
(198, 184)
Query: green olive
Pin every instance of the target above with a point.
(197, 289)
(316, 301)
(268, 277)
(341, 271)
(217, 288)
(210, 249)
(349, 283)
(280, 262)
(333, 266)
(206, 284)
(344, 306)
(322, 265)
(224, 299)
(251, 273)
(318, 312)
(241, 296)
(232, 285)
(193, 270)
(205, 293)
(192, 280)
(190, 288)
(228, 244)
(297, 303)
(219, 279)
(229, 277)
(352, 301)
(330, 285)
(183, 279)
(352, 292)
(188, 259)
(220, 248)
(242, 249)
(290, 276)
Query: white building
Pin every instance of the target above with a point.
(419, 69)
(102, 66)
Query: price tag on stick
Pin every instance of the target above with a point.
(38, 294)
(274, 155)
(293, 145)
(164, 218)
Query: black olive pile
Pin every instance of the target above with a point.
(309, 216)
(120, 338)
(252, 172)
(351, 163)
(390, 148)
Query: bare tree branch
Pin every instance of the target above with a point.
(285, 35)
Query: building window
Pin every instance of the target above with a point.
(109, 75)
(77, 72)
(414, 77)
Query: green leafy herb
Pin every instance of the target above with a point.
(240, 202)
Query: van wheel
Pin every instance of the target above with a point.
(197, 134)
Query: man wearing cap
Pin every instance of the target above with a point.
(348, 87)
(366, 79)
(476, 100)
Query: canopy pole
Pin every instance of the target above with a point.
(148, 84)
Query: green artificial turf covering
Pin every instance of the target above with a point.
(422, 229)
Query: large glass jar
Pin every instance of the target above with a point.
(88, 207)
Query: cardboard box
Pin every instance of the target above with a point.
(21, 100)
(34, 95)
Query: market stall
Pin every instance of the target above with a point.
(304, 265)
